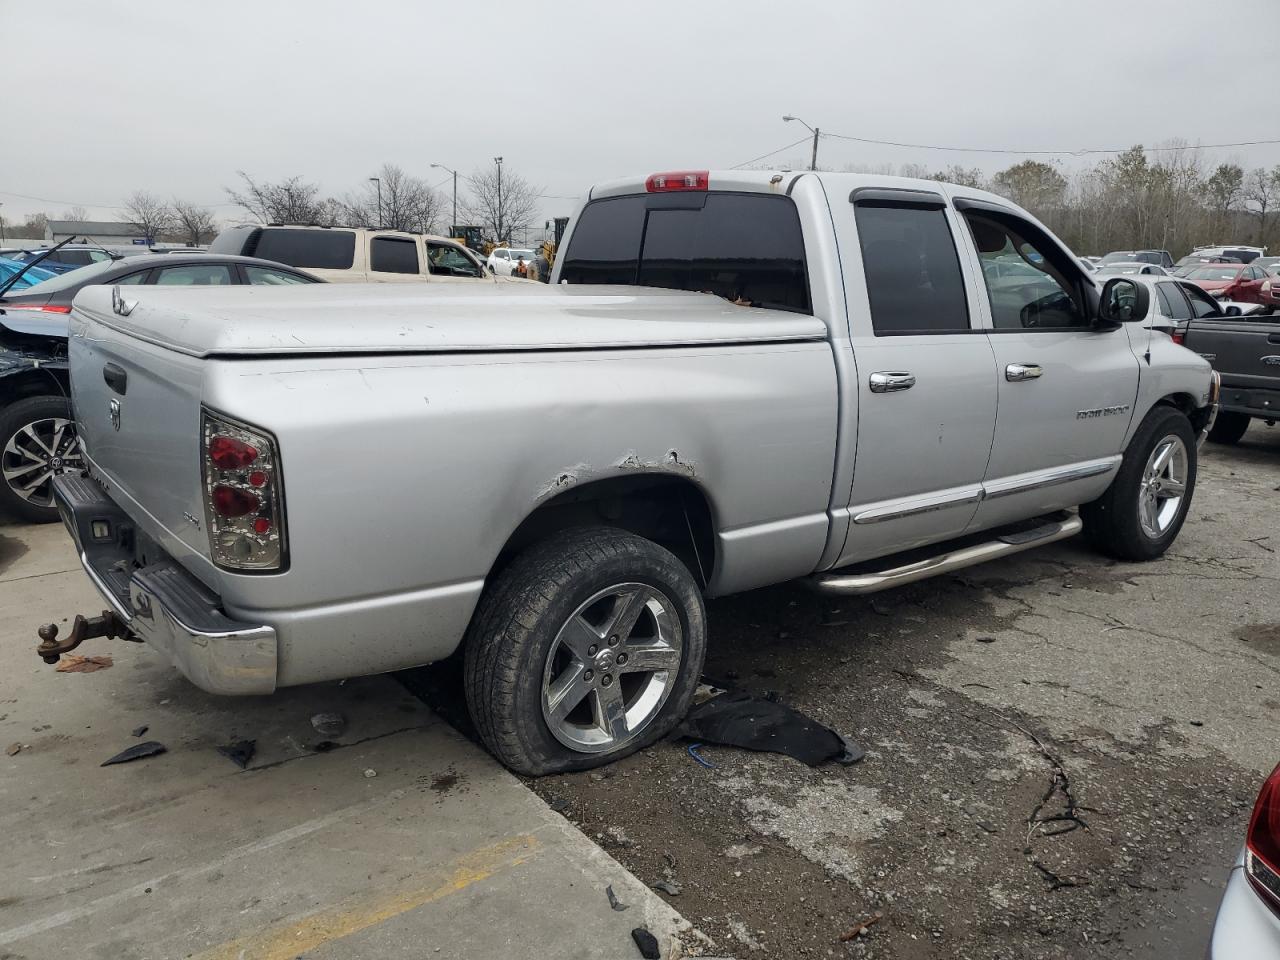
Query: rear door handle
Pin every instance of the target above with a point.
(116, 377)
(891, 381)
(1016, 372)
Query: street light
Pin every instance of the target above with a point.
(498, 161)
(813, 162)
(441, 166)
(379, 183)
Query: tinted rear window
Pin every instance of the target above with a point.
(913, 273)
(393, 255)
(323, 249)
(740, 246)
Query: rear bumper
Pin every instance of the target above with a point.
(1245, 927)
(1211, 414)
(1254, 401)
(161, 602)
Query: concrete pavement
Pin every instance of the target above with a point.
(404, 841)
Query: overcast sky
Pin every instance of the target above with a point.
(175, 97)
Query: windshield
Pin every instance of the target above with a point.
(1119, 256)
(1213, 273)
(74, 278)
(1122, 268)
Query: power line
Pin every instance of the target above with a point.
(1080, 152)
(764, 156)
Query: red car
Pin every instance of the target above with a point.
(1271, 288)
(1231, 281)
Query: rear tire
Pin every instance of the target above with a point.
(587, 648)
(1229, 427)
(37, 442)
(1144, 508)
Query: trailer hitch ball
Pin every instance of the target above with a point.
(82, 629)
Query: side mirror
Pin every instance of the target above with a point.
(1123, 301)
(1232, 311)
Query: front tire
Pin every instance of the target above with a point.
(37, 442)
(587, 648)
(1229, 427)
(1144, 508)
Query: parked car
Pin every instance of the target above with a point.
(32, 275)
(73, 255)
(37, 437)
(355, 255)
(1129, 268)
(1089, 265)
(1175, 302)
(1159, 257)
(503, 260)
(1247, 926)
(1230, 281)
(1269, 264)
(554, 476)
(1191, 261)
(1246, 353)
(1240, 252)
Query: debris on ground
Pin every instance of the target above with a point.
(560, 804)
(614, 902)
(860, 928)
(329, 725)
(668, 887)
(150, 748)
(70, 663)
(619, 836)
(324, 746)
(738, 719)
(740, 851)
(240, 752)
(647, 943)
(370, 773)
(139, 731)
(703, 761)
(13, 749)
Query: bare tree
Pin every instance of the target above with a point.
(194, 222)
(75, 213)
(291, 200)
(502, 203)
(149, 214)
(1261, 192)
(407, 203)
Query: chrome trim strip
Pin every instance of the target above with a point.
(913, 506)
(1021, 483)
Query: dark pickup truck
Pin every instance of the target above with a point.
(1246, 354)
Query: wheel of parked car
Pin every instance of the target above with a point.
(1229, 427)
(39, 441)
(587, 648)
(1142, 511)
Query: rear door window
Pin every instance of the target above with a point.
(393, 255)
(271, 277)
(1172, 303)
(913, 273)
(321, 249)
(744, 247)
(194, 275)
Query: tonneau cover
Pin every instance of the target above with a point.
(395, 318)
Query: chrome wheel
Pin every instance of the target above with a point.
(611, 668)
(1163, 487)
(35, 454)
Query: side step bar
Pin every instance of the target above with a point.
(841, 584)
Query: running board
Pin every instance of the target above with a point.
(836, 582)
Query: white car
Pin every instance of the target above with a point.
(503, 260)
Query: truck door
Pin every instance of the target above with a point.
(1066, 387)
(926, 385)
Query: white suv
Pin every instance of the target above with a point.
(503, 260)
(356, 254)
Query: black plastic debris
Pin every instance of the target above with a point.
(148, 749)
(647, 943)
(737, 719)
(670, 888)
(613, 899)
(240, 752)
(324, 746)
(139, 731)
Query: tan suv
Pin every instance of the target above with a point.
(356, 254)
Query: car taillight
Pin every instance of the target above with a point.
(677, 180)
(43, 307)
(1262, 843)
(243, 495)
(1178, 336)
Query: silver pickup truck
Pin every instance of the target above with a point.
(735, 379)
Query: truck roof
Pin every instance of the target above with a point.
(412, 318)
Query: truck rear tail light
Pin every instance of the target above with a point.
(1262, 843)
(678, 180)
(243, 495)
(1178, 335)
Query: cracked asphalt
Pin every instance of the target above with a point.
(1062, 752)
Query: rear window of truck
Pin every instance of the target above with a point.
(323, 249)
(741, 246)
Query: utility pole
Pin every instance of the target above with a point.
(813, 160)
(1, 226)
(377, 181)
(441, 166)
(500, 238)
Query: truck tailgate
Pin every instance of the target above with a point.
(141, 431)
(1245, 352)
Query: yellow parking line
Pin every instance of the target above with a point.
(287, 941)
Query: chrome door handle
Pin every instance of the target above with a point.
(890, 381)
(1015, 372)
